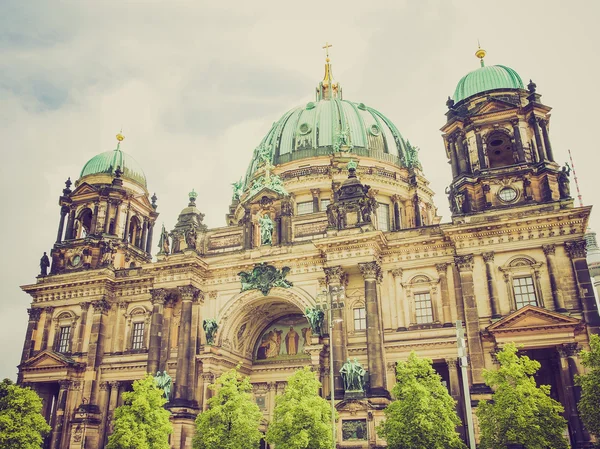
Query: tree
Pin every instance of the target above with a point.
(422, 414)
(141, 422)
(232, 418)
(521, 412)
(302, 418)
(590, 387)
(21, 422)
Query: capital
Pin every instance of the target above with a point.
(315, 192)
(371, 271)
(104, 386)
(84, 306)
(488, 257)
(452, 363)
(464, 262)
(334, 275)
(159, 295)
(549, 249)
(64, 384)
(514, 122)
(101, 306)
(34, 314)
(114, 384)
(576, 249)
(397, 272)
(188, 292)
(568, 349)
(441, 268)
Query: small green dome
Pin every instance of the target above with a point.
(108, 162)
(487, 78)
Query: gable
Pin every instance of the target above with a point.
(531, 318)
(83, 189)
(495, 105)
(48, 359)
(265, 191)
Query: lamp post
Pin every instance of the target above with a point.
(332, 298)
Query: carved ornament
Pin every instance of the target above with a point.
(576, 249)
(465, 262)
(371, 271)
(264, 277)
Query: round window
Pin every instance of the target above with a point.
(507, 194)
(304, 128)
(374, 130)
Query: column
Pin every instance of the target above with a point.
(144, 234)
(69, 233)
(107, 216)
(465, 268)
(417, 209)
(557, 296)
(59, 414)
(32, 324)
(112, 405)
(518, 140)
(463, 162)
(103, 404)
(315, 195)
(442, 269)
(396, 204)
(480, 152)
(94, 224)
(188, 294)
(82, 326)
(117, 218)
(159, 296)
(119, 342)
(577, 252)
(568, 367)
(544, 125)
(538, 139)
(334, 277)
(95, 347)
(454, 388)
(127, 218)
(490, 275)
(371, 272)
(149, 239)
(453, 159)
(208, 379)
(48, 311)
(64, 210)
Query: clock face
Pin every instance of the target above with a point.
(75, 260)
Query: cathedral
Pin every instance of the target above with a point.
(332, 250)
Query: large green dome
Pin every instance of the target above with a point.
(326, 126)
(108, 162)
(487, 78)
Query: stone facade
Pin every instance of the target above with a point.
(371, 248)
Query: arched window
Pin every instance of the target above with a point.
(83, 223)
(135, 234)
(522, 278)
(422, 293)
(500, 150)
(64, 328)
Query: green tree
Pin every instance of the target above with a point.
(422, 414)
(21, 422)
(521, 412)
(141, 422)
(232, 418)
(302, 418)
(589, 404)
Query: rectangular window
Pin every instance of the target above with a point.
(305, 208)
(324, 203)
(524, 291)
(360, 319)
(423, 309)
(64, 338)
(383, 217)
(137, 339)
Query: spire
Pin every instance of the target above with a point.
(328, 88)
(480, 53)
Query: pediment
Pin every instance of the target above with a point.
(49, 359)
(83, 189)
(531, 318)
(265, 191)
(495, 105)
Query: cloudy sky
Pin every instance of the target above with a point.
(196, 85)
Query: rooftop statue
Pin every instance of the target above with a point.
(266, 230)
(164, 382)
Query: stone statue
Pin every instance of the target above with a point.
(264, 277)
(459, 201)
(266, 230)
(563, 182)
(163, 243)
(238, 189)
(44, 264)
(332, 216)
(164, 382)
(315, 318)
(190, 238)
(353, 375)
(210, 327)
(108, 253)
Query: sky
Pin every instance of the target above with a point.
(196, 85)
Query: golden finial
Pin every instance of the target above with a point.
(326, 48)
(120, 137)
(480, 53)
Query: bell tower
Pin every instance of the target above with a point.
(107, 220)
(498, 145)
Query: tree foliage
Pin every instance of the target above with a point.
(21, 422)
(141, 422)
(232, 418)
(521, 412)
(302, 418)
(422, 415)
(589, 404)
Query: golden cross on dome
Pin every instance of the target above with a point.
(326, 47)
